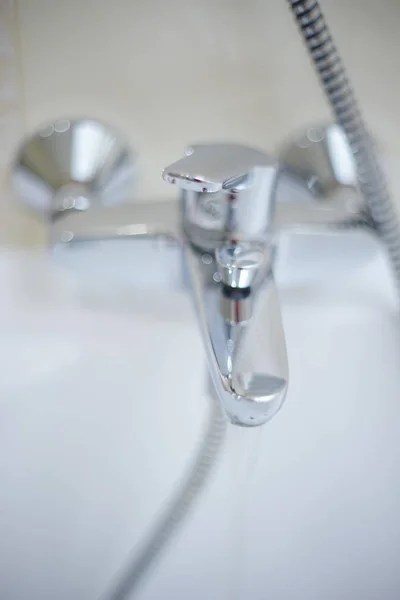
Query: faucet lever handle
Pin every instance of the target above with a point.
(210, 168)
(228, 192)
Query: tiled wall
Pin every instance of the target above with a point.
(15, 225)
(10, 97)
(169, 73)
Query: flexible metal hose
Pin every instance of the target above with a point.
(372, 181)
(131, 576)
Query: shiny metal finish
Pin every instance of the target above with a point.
(163, 219)
(321, 158)
(246, 355)
(212, 168)
(228, 203)
(73, 165)
(149, 219)
(239, 264)
(227, 192)
(146, 235)
(235, 309)
(318, 188)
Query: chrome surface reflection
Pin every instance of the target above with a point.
(73, 165)
(321, 159)
(239, 311)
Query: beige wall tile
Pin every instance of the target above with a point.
(16, 226)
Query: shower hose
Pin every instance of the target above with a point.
(372, 185)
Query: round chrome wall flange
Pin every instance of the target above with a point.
(73, 164)
(320, 159)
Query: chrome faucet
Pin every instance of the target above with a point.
(227, 206)
(226, 226)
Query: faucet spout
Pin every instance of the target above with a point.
(243, 337)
